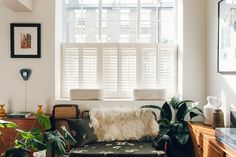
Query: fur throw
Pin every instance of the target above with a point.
(123, 124)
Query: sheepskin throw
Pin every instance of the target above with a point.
(123, 124)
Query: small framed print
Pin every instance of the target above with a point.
(25, 40)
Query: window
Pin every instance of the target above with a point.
(119, 45)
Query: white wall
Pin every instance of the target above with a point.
(194, 46)
(41, 84)
(221, 85)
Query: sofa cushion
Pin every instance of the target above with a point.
(84, 134)
(111, 124)
(117, 149)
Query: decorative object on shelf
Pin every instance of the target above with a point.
(212, 104)
(25, 40)
(40, 108)
(2, 110)
(218, 119)
(226, 37)
(25, 74)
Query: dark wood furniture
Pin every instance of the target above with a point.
(205, 143)
(9, 135)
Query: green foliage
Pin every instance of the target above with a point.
(44, 121)
(176, 127)
(35, 140)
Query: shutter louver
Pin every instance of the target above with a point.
(148, 67)
(89, 68)
(168, 69)
(70, 70)
(109, 71)
(128, 71)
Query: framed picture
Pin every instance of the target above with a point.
(226, 60)
(25, 40)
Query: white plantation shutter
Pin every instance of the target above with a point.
(70, 70)
(89, 68)
(128, 70)
(149, 68)
(168, 68)
(118, 68)
(109, 71)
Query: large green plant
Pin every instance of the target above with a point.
(176, 127)
(35, 140)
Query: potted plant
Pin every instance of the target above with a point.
(174, 127)
(35, 141)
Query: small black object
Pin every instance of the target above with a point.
(25, 73)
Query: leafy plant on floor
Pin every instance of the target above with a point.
(35, 140)
(176, 127)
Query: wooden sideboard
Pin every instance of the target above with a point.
(205, 143)
(9, 135)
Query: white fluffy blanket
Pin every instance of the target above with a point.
(123, 124)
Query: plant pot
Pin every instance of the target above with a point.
(40, 154)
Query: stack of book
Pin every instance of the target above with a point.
(19, 114)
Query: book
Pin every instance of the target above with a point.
(19, 114)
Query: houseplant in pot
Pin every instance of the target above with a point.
(173, 121)
(34, 140)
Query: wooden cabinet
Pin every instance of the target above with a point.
(9, 135)
(205, 143)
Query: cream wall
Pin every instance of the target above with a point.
(221, 85)
(41, 84)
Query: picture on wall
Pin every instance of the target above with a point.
(226, 36)
(25, 40)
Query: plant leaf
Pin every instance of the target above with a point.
(44, 121)
(182, 138)
(68, 136)
(6, 124)
(166, 111)
(38, 135)
(181, 112)
(25, 134)
(182, 102)
(174, 102)
(17, 152)
(194, 114)
(152, 107)
(56, 141)
(37, 145)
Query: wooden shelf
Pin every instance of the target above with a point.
(205, 143)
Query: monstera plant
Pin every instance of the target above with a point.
(34, 140)
(175, 125)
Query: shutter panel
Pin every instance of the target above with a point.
(89, 68)
(70, 70)
(148, 68)
(128, 71)
(168, 69)
(110, 71)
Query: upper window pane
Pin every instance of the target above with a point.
(120, 21)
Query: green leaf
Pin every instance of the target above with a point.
(17, 152)
(181, 112)
(182, 138)
(152, 107)
(25, 134)
(68, 136)
(37, 132)
(174, 102)
(55, 140)
(1, 134)
(37, 145)
(44, 121)
(194, 114)
(6, 124)
(182, 102)
(166, 111)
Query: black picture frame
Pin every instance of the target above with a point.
(25, 40)
(226, 51)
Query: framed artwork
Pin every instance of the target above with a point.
(25, 40)
(226, 60)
